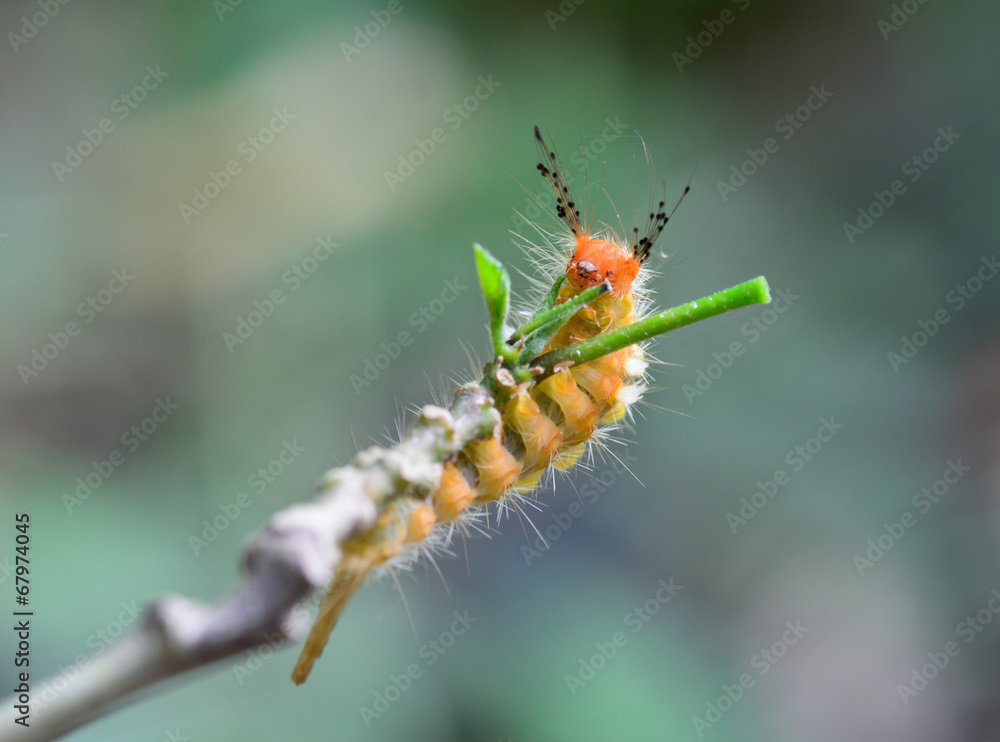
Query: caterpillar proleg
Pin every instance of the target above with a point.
(569, 371)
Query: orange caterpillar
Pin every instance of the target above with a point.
(543, 424)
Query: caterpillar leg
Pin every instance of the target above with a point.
(386, 539)
(341, 589)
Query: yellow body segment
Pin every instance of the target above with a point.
(496, 468)
(419, 524)
(454, 495)
(541, 437)
(602, 378)
(580, 414)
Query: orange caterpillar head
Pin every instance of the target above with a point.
(594, 258)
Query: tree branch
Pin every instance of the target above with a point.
(294, 555)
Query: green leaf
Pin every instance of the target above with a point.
(550, 298)
(495, 284)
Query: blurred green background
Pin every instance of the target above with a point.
(120, 223)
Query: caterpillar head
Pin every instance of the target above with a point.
(596, 260)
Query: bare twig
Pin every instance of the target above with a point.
(294, 555)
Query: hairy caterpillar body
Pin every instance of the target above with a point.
(545, 424)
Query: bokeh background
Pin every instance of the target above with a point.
(357, 84)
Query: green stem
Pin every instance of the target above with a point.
(755, 291)
(566, 309)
